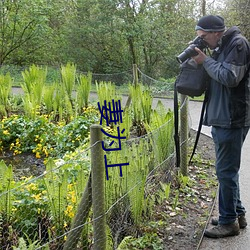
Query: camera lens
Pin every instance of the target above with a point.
(187, 53)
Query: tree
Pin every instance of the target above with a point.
(95, 41)
(20, 22)
(237, 12)
(102, 36)
(108, 36)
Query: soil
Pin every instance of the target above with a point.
(25, 164)
(188, 221)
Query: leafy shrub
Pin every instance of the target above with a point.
(42, 137)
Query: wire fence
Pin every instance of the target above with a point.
(158, 87)
(66, 208)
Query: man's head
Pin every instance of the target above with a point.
(211, 28)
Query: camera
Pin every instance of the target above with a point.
(190, 51)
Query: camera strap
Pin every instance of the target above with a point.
(176, 126)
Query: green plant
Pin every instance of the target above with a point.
(164, 192)
(56, 187)
(5, 90)
(161, 131)
(141, 103)
(34, 81)
(48, 98)
(6, 204)
(184, 181)
(23, 134)
(43, 137)
(83, 91)
(30, 208)
(29, 245)
(6, 196)
(106, 91)
(64, 182)
(68, 74)
(147, 241)
(133, 181)
(176, 199)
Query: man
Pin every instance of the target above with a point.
(228, 112)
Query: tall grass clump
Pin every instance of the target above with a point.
(106, 91)
(83, 91)
(68, 74)
(5, 90)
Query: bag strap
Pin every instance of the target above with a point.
(176, 126)
(199, 127)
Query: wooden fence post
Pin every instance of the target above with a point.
(98, 185)
(135, 82)
(184, 135)
(135, 74)
(80, 218)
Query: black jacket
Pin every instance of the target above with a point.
(229, 90)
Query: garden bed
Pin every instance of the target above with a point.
(177, 222)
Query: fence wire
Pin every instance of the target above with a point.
(44, 211)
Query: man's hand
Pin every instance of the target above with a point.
(200, 58)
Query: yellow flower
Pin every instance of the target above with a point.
(73, 199)
(69, 211)
(45, 151)
(37, 196)
(6, 132)
(14, 209)
(17, 152)
(31, 187)
(38, 155)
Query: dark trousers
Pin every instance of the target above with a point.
(228, 145)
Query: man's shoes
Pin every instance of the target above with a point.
(241, 219)
(221, 231)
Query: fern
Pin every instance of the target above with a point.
(106, 92)
(83, 90)
(5, 90)
(6, 184)
(56, 185)
(125, 242)
(161, 126)
(68, 74)
(33, 85)
(49, 97)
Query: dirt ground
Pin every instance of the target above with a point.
(187, 223)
